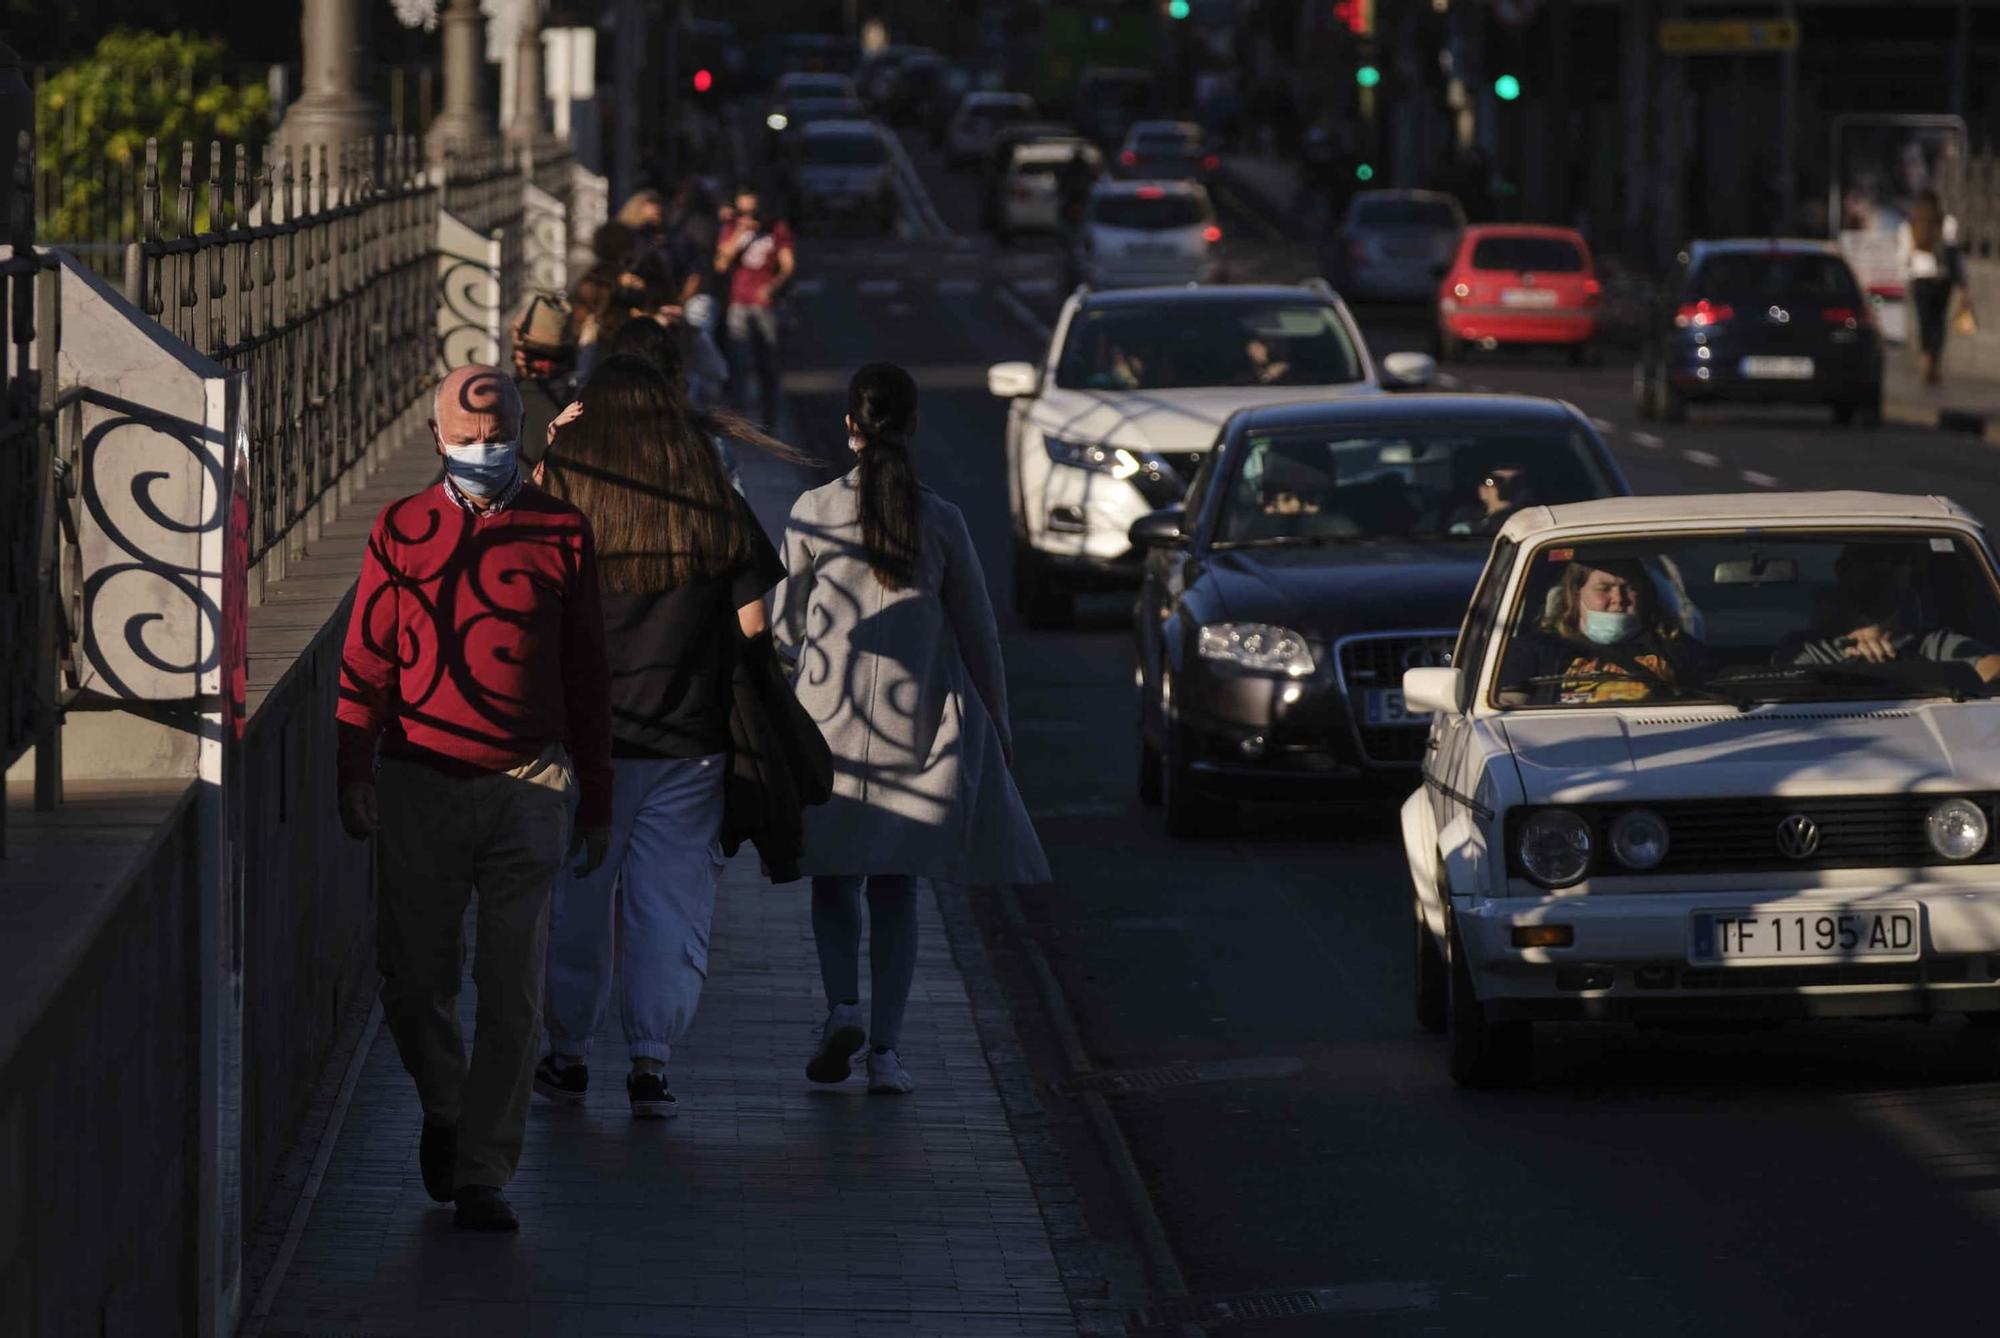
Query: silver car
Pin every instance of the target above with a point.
(1395, 244)
(840, 170)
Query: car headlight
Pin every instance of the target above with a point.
(1554, 847)
(777, 120)
(1957, 828)
(1116, 461)
(1275, 650)
(1639, 839)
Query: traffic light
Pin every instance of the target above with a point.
(1177, 9)
(1357, 16)
(1506, 88)
(1363, 172)
(1367, 76)
(703, 81)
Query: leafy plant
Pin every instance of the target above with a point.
(92, 120)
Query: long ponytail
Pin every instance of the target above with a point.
(882, 402)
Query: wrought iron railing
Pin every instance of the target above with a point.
(317, 279)
(482, 186)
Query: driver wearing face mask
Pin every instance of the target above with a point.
(1603, 638)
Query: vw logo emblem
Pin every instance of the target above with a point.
(1427, 657)
(1798, 837)
(1779, 316)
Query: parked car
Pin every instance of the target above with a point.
(840, 171)
(1166, 150)
(1109, 99)
(1321, 549)
(1394, 244)
(969, 133)
(1519, 284)
(1030, 198)
(1719, 759)
(1761, 321)
(787, 121)
(1112, 421)
(1137, 234)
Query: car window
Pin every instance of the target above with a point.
(1365, 485)
(1752, 617)
(1484, 615)
(1168, 344)
(1404, 214)
(1547, 255)
(1801, 276)
(1148, 213)
(1167, 143)
(842, 151)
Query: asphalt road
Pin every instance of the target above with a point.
(1814, 1179)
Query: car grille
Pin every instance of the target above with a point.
(1378, 661)
(1725, 835)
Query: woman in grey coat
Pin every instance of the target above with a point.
(885, 608)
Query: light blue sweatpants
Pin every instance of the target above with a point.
(655, 894)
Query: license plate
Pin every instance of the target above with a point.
(1830, 935)
(1778, 369)
(1384, 706)
(1527, 297)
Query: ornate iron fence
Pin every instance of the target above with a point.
(483, 187)
(317, 280)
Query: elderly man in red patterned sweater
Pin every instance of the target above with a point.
(475, 663)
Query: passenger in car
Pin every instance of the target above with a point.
(1500, 492)
(1874, 623)
(1267, 364)
(1604, 636)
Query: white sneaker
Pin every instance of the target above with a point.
(887, 1076)
(842, 1035)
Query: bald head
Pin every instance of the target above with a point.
(476, 403)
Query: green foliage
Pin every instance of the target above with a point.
(92, 120)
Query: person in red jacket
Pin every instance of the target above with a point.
(475, 666)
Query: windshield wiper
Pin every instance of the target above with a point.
(1851, 674)
(1596, 676)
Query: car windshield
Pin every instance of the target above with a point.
(1381, 482)
(1752, 617)
(816, 86)
(1548, 255)
(842, 151)
(1148, 213)
(1404, 214)
(1164, 345)
(1167, 144)
(1808, 277)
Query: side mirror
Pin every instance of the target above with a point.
(1011, 380)
(1159, 529)
(1408, 371)
(1428, 690)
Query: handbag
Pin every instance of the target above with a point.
(543, 327)
(1965, 321)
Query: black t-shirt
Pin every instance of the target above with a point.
(1628, 671)
(672, 654)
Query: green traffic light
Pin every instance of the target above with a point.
(1506, 88)
(1177, 9)
(1364, 173)
(1367, 76)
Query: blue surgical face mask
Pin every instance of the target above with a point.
(484, 468)
(1608, 629)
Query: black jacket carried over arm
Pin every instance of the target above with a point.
(779, 763)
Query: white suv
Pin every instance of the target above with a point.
(1133, 390)
(1711, 758)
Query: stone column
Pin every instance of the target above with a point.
(331, 109)
(462, 124)
(528, 122)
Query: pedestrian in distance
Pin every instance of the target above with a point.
(685, 567)
(755, 252)
(475, 664)
(886, 613)
(1927, 246)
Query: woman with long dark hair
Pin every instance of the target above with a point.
(684, 567)
(885, 607)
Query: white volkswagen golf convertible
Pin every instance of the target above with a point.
(1711, 758)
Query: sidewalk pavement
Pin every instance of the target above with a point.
(769, 1207)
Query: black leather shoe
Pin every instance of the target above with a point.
(437, 1156)
(480, 1208)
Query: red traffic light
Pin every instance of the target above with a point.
(1357, 16)
(703, 81)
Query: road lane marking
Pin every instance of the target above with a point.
(1648, 440)
(833, 380)
(1702, 458)
(879, 287)
(808, 287)
(1446, 381)
(957, 287)
(1036, 287)
(1603, 424)
(1757, 479)
(1088, 808)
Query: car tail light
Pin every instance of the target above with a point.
(1150, 193)
(1210, 163)
(1211, 234)
(1847, 317)
(1592, 290)
(1129, 158)
(1704, 313)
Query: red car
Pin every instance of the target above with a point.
(1518, 283)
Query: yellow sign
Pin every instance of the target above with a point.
(1727, 37)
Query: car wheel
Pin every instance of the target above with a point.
(1450, 347)
(1043, 600)
(1431, 985)
(1189, 816)
(1484, 1053)
(1843, 412)
(1584, 354)
(1149, 773)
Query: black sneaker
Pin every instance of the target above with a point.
(564, 1086)
(481, 1208)
(437, 1158)
(649, 1096)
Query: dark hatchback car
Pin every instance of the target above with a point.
(1761, 322)
(1323, 549)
